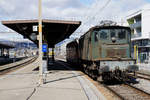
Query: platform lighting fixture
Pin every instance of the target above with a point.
(33, 36)
(24, 27)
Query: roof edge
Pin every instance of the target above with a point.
(43, 20)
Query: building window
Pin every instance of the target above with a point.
(144, 42)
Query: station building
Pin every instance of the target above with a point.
(139, 21)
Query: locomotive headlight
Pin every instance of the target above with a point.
(113, 39)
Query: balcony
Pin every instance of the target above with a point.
(135, 25)
(136, 35)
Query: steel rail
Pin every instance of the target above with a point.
(114, 92)
(15, 67)
(144, 78)
(143, 74)
(138, 89)
(139, 76)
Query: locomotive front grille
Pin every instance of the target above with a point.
(111, 53)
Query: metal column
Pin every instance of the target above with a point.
(53, 59)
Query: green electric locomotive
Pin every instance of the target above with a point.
(104, 51)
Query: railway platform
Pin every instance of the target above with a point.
(62, 83)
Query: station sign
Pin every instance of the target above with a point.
(44, 48)
(35, 28)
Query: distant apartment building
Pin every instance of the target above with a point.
(139, 21)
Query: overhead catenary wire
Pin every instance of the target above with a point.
(89, 10)
(98, 12)
(87, 13)
(91, 15)
(101, 9)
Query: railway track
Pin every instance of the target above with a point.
(128, 92)
(12, 67)
(141, 75)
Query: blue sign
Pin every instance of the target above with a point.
(44, 48)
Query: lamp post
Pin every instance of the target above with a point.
(40, 44)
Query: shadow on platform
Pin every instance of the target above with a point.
(64, 78)
(60, 65)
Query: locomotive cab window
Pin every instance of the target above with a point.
(122, 34)
(103, 34)
(112, 33)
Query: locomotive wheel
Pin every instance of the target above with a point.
(86, 70)
(94, 77)
(90, 73)
(104, 78)
(95, 74)
(107, 76)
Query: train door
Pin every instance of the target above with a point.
(89, 46)
(95, 45)
(81, 44)
(86, 47)
(85, 44)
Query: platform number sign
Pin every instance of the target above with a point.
(44, 48)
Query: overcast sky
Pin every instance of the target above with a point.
(88, 11)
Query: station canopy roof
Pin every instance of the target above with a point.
(5, 46)
(54, 31)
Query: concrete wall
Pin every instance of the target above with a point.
(146, 23)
